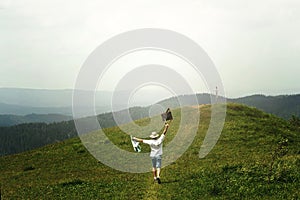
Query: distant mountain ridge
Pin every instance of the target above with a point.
(10, 109)
(10, 120)
(283, 105)
(19, 101)
(13, 109)
(43, 97)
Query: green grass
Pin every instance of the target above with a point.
(239, 166)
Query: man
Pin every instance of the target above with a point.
(156, 144)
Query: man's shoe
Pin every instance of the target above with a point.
(158, 180)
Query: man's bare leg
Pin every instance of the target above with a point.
(154, 173)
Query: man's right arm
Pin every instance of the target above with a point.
(162, 137)
(166, 128)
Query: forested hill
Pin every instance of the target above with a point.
(24, 137)
(283, 106)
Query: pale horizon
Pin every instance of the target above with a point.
(254, 45)
(111, 91)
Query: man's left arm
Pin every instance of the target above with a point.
(138, 139)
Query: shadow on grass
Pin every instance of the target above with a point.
(169, 181)
(72, 183)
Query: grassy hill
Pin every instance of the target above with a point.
(256, 157)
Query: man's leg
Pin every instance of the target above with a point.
(154, 173)
(158, 166)
(157, 175)
(154, 167)
(157, 172)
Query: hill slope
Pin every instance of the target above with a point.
(256, 157)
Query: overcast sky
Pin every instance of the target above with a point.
(255, 44)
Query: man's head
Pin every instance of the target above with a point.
(154, 135)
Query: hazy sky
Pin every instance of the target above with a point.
(255, 44)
